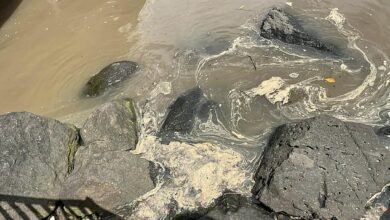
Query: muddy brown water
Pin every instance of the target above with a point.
(50, 48)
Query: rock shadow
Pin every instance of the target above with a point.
(21, 207)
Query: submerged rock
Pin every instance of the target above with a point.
(109, 77)
(36, 154)
(184, 112)
(279, 25)
(322, 168)
(106, 171)
(114, 123)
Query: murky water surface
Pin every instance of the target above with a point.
(49, 49)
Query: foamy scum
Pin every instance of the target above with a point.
(356, 105)
(200, 173)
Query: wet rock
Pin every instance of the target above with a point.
(383, 131)
(114, 123)
(279, 25)
(36, 154)
(106, 171)
(183, 114)
(109, 77)
(379, 205)
(322, 168)
(296, 95)
(235, 206)
(7, 8)
(231, 206)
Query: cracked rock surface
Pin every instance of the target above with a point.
(322, 168)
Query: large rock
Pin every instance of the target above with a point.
(114, 123)
(110, 178)
(322, 168)
(105, 170)
(279, 25)
(183, 114)
(36, 157)
(36, 154)
(109, 77)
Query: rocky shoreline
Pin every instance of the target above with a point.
(315, 168)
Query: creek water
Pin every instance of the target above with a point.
(49, 49)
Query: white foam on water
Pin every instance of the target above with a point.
(293, 75)
(336, 18)
(273, 89)
(200, 173)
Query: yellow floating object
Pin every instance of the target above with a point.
(330, 80)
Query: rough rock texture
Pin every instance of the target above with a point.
(184, 112)
(114, 123)
(322, 168)
(279, 25)
(110, 76)
(105, 170)
(109, 177)
(36, 154)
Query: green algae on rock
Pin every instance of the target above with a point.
(109, 77)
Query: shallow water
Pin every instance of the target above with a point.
(49, 49)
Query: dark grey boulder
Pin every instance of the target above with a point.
(36, 157)
(111, 178)
(183, 114)
(105, 170)
(109, 77)
(380, 203)
(237, 207)
(36, 154)
(114, 123)
(279, 25)
(322, 168)
(231, 206)
(383, 131)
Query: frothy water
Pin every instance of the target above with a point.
(257, 83)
